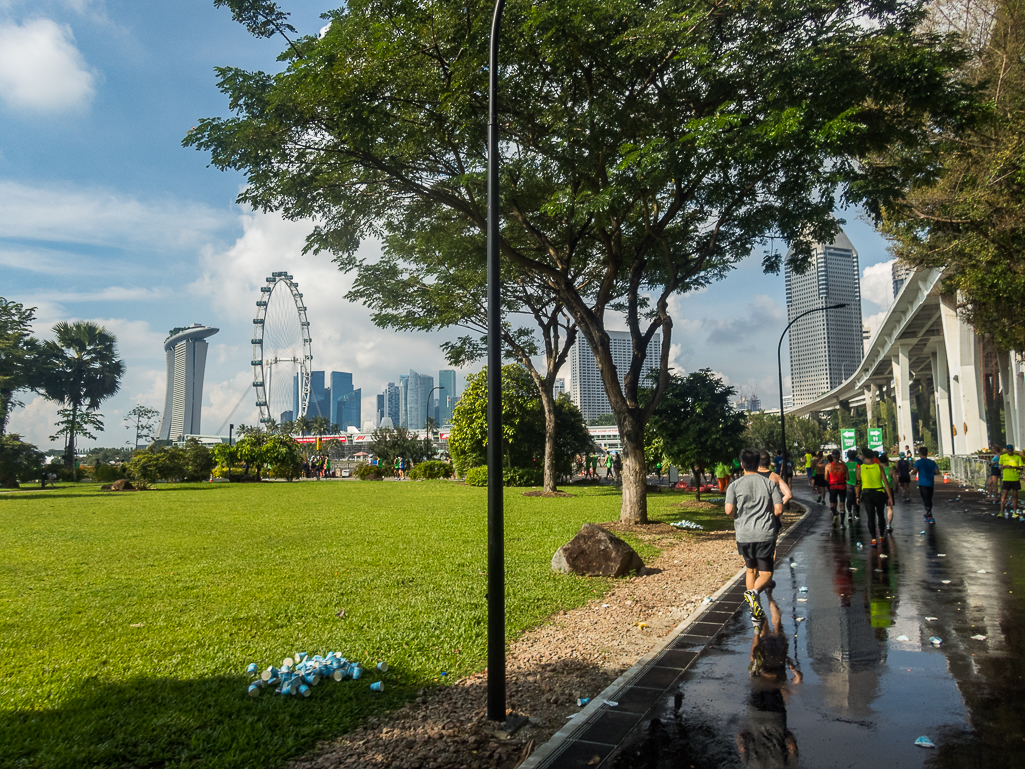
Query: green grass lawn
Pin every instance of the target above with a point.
(128, 619)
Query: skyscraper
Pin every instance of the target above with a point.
(825, 347)
(426, 402)
(447, 396)
(900, 273)
(390, 405)
(586, 388)
(341, 388)
(349, 410)
(320, 396)
(185, 349)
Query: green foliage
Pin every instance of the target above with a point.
(249, 450)
(19, 461)
(477, 476)
(283, 454)
(406, 562)
(367, 472)
(430, 471)
(19, 367)
(603, 420)
(143, 419)
(388, 444)
(511, 476)
(80, 369)
(172, 463)
(696, 423)
(803, 433)
(964, 212)
(523, 424)
(107, 455)
(104, 473)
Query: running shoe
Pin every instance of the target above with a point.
(757, 613)
(931, 520)
(889, 530)
(874, 543)
(836, 519)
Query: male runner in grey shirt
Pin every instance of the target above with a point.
(755, 503)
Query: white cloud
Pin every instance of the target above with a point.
(35, 422)
(877, 284)
(41, 70)
(108, 294)
(67, 214)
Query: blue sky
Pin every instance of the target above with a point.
(105, 217)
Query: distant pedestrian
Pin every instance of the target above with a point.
(993, 481)
(925, 473)
(809, 468)
(608, 466)
(874, 489)
(884, 460)
(836, 479)
(722, 476)
(853, 508)
(617, 466)
(755, 503)
(904, 475)
(1010, 463)
(658, 471)
(821, 487)
(766, 471)
(398, 468)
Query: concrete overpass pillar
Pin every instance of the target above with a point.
(965, 390)
(902, 397)
(1013, 385)
(941, 384)
(870, 404)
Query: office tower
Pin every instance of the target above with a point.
(825, 347)
(754, 403)
(426, 402)
(320, 396)
(286, 416)
(379, 410)
(391, 403)
(341, 387)
(446, 396)
(900, 273)
(560, 387)
(349, 410)
(185, 350)
(404, 399)
(586, 388)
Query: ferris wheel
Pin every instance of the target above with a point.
(282, 350)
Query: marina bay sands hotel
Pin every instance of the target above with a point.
(185, 349)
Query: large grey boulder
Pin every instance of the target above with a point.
(594, 552)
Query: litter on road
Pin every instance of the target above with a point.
(925, 742)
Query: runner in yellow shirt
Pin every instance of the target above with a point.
(1010, 464)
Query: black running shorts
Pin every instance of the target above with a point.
(1011, 486)
(837, 494)
(820, 480)
(757, 555)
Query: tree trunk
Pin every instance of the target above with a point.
(6, 396)
(635, 477)
(696, 477)
(548, 402)
(69, 451)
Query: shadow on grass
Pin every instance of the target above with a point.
(209, 722)
(63, 492)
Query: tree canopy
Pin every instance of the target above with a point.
(646, 146)
(969, 216)
(19, 368)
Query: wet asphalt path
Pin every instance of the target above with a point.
(865, 681)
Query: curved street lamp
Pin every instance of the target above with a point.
(779, 363)
(438, 387)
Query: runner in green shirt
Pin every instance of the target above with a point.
(1010, 463)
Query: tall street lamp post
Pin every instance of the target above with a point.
(496, 535)
(779, 363)
(439, 387)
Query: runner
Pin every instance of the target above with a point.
(904, 475)
(820, 478)
(884, 460)
(765, 470)
(755, 504)
(836, 477)
(809, 466)
(852, 472)
(993, 482)
(874, 489)
(1010, 463)
(722, 476)
(925, 474)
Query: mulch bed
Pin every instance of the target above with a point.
(542, 493)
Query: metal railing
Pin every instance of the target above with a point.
(972, 471)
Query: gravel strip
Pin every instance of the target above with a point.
(577, 654)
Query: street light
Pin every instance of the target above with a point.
(439, 387)
(779, 363)
(496, 535)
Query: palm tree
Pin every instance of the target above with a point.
(303, 425)
(320, 426)
(80, 370)
(287, 427)
(271, 426)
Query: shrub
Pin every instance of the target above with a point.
(430, 471)
(19, 461)
(523, 476)
(511, 476)
(104, 473)
(367, 472)
(477, 476)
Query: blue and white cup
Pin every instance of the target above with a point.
(253, 669)
(303, 691)
(356, 672)
(377, 686)
(269, 673)
(254, 690)
(382, 666)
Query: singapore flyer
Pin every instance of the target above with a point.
(282, 351)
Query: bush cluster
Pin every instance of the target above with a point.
(430, 471)
(511, 476)
(367, 472)
(104, 473)
(173, 463)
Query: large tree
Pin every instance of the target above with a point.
(19, 368)
(80, 370)
(970, 218)
(646, 146)
(697, 424)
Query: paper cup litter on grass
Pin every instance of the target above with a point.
(254, 690)
(253, 669)
(382, 666)
(377, 686)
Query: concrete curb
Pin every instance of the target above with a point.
(580, 721)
